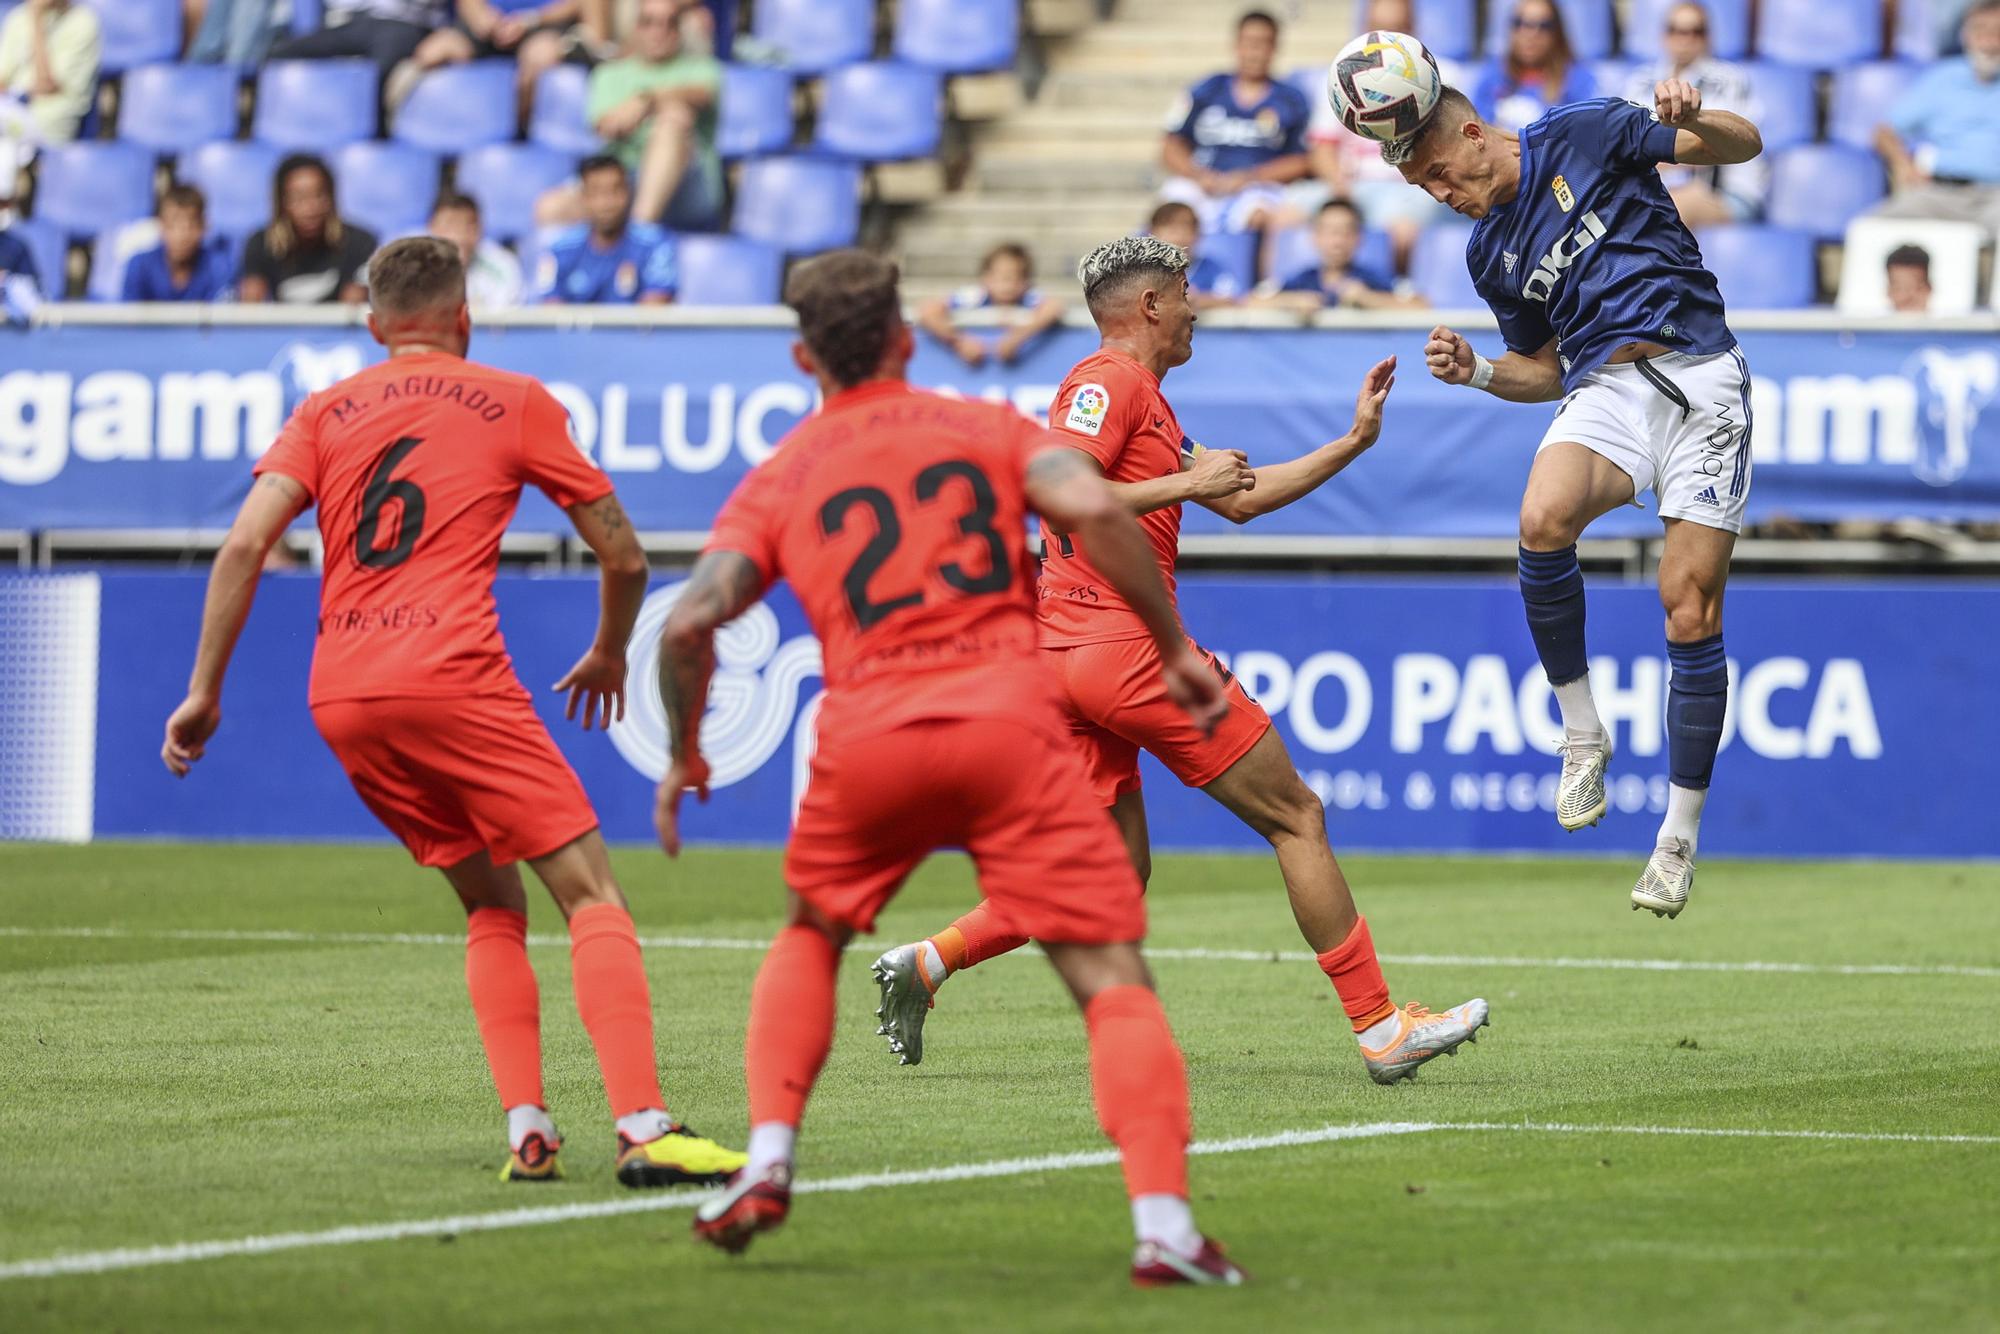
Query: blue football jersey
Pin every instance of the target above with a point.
(1592, 252)
(1228, 137)
(574, 270)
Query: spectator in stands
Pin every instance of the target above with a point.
(1006, 283)
(308, 255)
(1235, 140)
(187, 265)
(608, 259)
(1537, 71)
(1209, 283)
(1338, 279)
(1705, 195)
(535, 34)
(49, 52)
(20, 287)
(387, 32)
(492, 274)
(1908, 271)
(235, 32)
(1942, 142)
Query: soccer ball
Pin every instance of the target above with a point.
(1384, 85)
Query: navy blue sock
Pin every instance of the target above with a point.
(1696, 698)
(1552, 588)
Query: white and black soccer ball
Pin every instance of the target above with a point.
(1384, 85)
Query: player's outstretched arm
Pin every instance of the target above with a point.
(267, 511)
(1279, 484)
(597, 682)
(721, 587)
(1516, 378)
(1063, 489)
(1703, 138)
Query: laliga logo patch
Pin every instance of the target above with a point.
(1087, 409)
(1563, 196)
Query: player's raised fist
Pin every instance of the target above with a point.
(1193, 684)
(188, 731)
(1221, 472)
(1375, 387)
(1676, 101)
(1449, 356)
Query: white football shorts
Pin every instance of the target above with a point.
(1678, 425)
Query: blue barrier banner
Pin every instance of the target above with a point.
(156, 427)
(1860, 717)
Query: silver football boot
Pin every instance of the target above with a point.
(906, 1002)
(1580, 798)
(1669, 875)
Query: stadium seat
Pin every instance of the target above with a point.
(168, 108)
(1916, 35)
(1762, 268)
(1437, 267)
(49, 244)
(1293, 252)
(1819, 188)
(314, 104)
(1448, 27)
(84, 187)
(559, 120)
(881, 111)
(1728, 27)
(506, 179)
(1235, 253)
(112, 251)
(1861, 97)
(307, 16)
(817, 35)
(1588, 23)
(799, 204)
(1790, 97)
(958, 36)
(460, 107)
(756, 112)
(1611, 75)
(1823, 34)
(138, 32)
(235, 178)
(729, 271)
(386, 187)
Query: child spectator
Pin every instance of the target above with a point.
(308, 255)
(1209, 283)
(1338, 280)
(1006, 283)
(186, 265)
(492, 274)
(1908, 270)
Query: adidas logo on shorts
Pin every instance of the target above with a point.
(1706, 496)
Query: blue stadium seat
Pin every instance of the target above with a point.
(756, 112)
(729, 271)
(799, 204)
(307, 16)
(235, 178)
(1437, 267)
(817, 35)
(49, 244)
(386, 187)
(138, 32)
(1234, 252)
(1728, 27)
(1819, 188)
(1916, 35)
(314, 104)
(882, 111)
(958, 36)
(1588, 23)
(1824, 34)
(460, 107)
(1611, 75)
(1310, 80)
(1762, 268)
(1790, 96)
(1448, 27)
(1293, 251)
(506, 179)
(168, 108)
(85, 187)
(112, 252)
(562, 97)
(1861, 97)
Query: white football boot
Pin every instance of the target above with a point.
(1421, 1035)
(1669, 876)
(1580, 798)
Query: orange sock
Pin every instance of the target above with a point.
(615, 1006)
(506, 1002)
(1140, 1085)
(791, 1024)
(974, 938)
(1358, 978)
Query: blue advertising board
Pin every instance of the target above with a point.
(1859, 716)
(105, 427)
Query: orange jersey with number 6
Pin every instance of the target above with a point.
(417, 466)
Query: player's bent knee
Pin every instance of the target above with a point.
(1547, 527)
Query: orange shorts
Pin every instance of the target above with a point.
(453, 777)
(1118, 706)
(1050, 860)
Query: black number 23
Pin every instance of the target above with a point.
(975, 522)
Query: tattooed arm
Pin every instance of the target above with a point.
(721, 588)
(597, 682)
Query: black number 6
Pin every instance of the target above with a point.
(381, 489)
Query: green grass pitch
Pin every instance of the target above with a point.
(161, 1085)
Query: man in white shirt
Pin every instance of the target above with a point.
(492, 274)
(49, 51)
(1705, 195)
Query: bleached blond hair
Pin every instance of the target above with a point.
(1106, 268)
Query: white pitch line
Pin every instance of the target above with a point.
(1165, 953)
(142, 1257)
